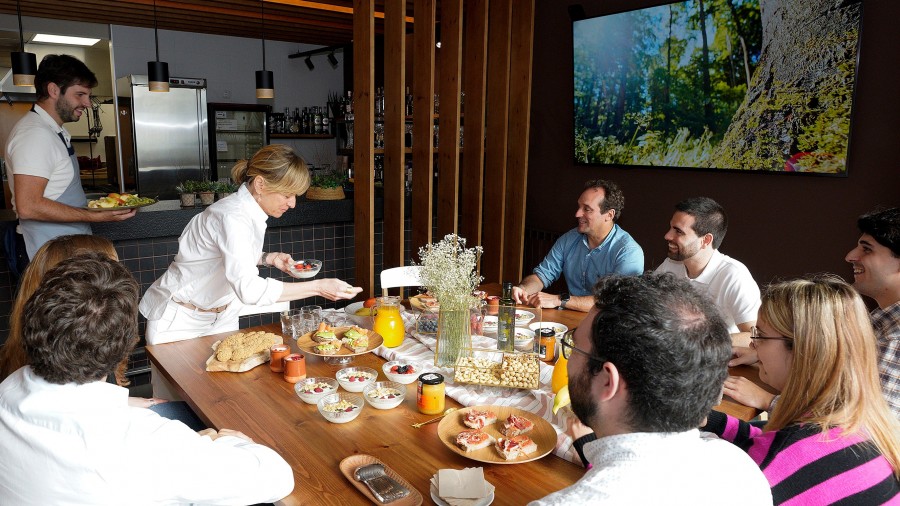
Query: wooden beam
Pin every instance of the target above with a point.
(423, 122)
(363, 151)
(475, 68)
(448, 134)
(495, 151)
(521, 37)
(394, 125)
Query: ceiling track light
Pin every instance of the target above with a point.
(157, 71)
(24, 64)
(309, 63)
(332, 59)
(265, 79)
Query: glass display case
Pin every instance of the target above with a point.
(236, 131)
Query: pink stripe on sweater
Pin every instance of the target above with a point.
(731, 428)
(790, 459)
(844, 485)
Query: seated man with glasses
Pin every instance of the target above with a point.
(645, 368)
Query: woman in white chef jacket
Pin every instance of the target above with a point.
(216, 269)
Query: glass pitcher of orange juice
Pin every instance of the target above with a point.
(388, 322)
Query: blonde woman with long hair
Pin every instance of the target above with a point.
(830, 436)
(216, 270)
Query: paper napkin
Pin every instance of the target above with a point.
(463, 487)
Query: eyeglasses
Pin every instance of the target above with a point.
(755, 338)
(568, 344)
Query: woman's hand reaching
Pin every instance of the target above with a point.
(335, 289)
(742, 356)
(747, 393)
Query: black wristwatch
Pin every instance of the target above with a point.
(563, 300)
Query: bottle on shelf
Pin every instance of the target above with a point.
(317, 120)
(326, 121)
(506, 320)
(295, 121)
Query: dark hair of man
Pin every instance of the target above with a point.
(613, 196)
(82, 321)
(884, 226)
(709, 217)
(668, 342)
(64, 71)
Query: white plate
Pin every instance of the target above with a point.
(440, 502)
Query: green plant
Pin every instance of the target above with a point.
(187, 186)
(329, 180)
(206, 186)
(226, 187)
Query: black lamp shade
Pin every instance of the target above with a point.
(309, 63)
(24, 67)
(332, 59)
(265, 84)
(158, 75)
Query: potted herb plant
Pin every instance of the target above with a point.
(207, 191)
(225, 188)
(187, 191)
(327, 186)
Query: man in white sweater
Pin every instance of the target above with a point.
(69, 437)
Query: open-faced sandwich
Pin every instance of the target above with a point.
(356, 339)
(471, 440)
(513, 447)
(328, 348)
(479, 419)
(515, 425)
(324, 334)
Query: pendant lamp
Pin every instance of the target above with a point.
(265, 79)
(157, 71)
(24, 64)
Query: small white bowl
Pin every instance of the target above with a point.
(404, 378)
(524, 339)
(354, 405)
(298, 271)
(344, 376)
(384, 394)
(523, 317)
(366, 322)
(308, 389)
(489, 324)
(558, 328)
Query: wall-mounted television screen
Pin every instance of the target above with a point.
(743, 85)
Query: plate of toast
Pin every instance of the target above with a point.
(497, 434)
(329, 341)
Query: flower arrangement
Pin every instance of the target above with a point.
(448, 272)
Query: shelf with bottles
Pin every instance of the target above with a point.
(301, 136)
(380, 151)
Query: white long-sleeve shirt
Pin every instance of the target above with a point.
(82, 444)
(216, 261)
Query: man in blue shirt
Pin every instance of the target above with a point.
(597, 247)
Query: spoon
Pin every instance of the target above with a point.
(426, 422)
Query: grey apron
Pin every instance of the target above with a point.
(36, 233)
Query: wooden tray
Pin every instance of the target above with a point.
(214, 365)
(308, 345)
(543, 434)
(351, 463)
(418, 302)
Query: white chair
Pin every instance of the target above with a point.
(277, 307)
(400, 276)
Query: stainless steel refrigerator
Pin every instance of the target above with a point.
(164, 135)
(236, 131)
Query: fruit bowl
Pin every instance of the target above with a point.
(340, 407)
(310, 390)
(362, 321)
(384, 394)
(354, 379)
(412, 372)
(305, 269)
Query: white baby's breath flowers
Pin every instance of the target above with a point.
(448, 271)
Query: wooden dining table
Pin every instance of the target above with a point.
(262, 405)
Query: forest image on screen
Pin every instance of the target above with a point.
(719, 84)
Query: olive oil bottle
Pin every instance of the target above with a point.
(506, 320)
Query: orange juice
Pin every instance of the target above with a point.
(388, 322)
(560, 376)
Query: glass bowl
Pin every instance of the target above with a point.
(305, 269)
(340, 407)
(365, 322)
(384, 394)
(310, 390)
(406, 378)
(354, 379)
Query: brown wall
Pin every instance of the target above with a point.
(781, 225)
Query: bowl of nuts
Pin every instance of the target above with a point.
(310, 390)
(401, 371)
(496, 368)
(354, 379)
(384, 394)
(340, 407)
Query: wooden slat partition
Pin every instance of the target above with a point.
(521, 36)
(448, 134)
(394, 124)
(423, 122)
(472, 175)
(363, 151)
(500, 12)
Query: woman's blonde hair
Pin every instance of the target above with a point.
(833, 380)
(54, 251)
(280, 168)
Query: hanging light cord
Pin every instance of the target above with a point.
(155, 34)
(262, 32)
(21, 33)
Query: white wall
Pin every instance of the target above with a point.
(229, 65)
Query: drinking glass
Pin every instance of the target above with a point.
(287, 325)
(307, 320)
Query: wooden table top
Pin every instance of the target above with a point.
(262, 405)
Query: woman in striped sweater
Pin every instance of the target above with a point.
(830, 438)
